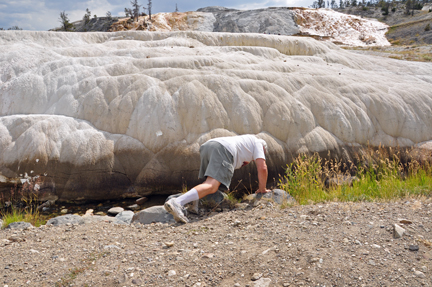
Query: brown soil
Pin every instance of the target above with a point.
(332, 244)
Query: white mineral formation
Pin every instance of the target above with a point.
(326, 24)
(104, 113)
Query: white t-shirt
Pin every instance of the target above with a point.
(244, 149)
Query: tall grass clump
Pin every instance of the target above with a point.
(370, 175)
(21, 203)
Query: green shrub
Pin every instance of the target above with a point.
(427, 28)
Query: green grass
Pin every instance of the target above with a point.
(379, 175)
(26, 215)
(13, 216)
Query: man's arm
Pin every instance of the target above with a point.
(262, 175)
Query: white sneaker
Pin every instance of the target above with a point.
(176, 210)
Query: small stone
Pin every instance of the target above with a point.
(376, 246)
(208, 255)
(405, 221)
(123, 278)
(371, 262)
(169, 244)
(89, 212)
(141, 201)
(263, 282)
(237, 223)
(172, 273)
(345, 240)
(133, 207)
(256, 276)
(413, 248)
(16, 239)
(314, 260)
(398, 231)
(237, 285)
(419, 274)
(115, 210)
(64, 211)
(136, 281)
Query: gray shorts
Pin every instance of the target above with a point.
(216, 162)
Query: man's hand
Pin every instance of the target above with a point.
(263, 191)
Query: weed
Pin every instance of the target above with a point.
(22, 203)
(372, 174)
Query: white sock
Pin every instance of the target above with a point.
(189, 196)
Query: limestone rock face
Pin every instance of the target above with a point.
(325, 24)
(105, 115)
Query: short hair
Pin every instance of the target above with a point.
(264, 144)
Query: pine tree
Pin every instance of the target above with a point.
(135, 9)
(149, 6)
(176, 9)
(64, 20)
(86, 17)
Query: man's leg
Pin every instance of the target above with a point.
(175, 205)
(209, 186)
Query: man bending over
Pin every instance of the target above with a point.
(219, 158)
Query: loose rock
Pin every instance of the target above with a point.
(398, 231)
(65, 219)
(19, 225)
(419, 274)
(152, 214)
(256, 276)
(115, 210)
(125, 216)
(413, 248)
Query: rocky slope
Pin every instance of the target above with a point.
(331, 244)
(404, 29)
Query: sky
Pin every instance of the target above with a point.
(42, 15)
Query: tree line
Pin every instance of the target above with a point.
(11, 28)
(410, 5)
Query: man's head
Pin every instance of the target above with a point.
(264, 144)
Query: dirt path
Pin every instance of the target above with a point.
(333, 244)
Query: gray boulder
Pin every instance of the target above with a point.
(217, 197)
(19, 225)
(277, 195)
(152, 214)
(125, 216)
(64, 219)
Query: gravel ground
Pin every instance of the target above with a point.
(332, 244)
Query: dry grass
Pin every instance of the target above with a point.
(371, 175)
